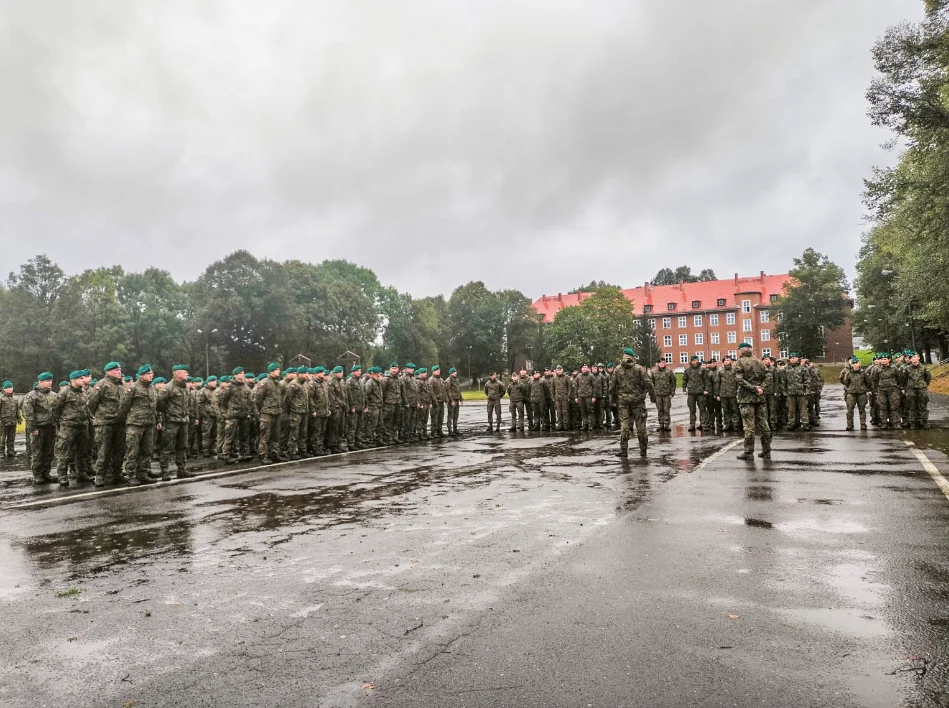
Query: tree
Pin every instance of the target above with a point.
(814, 301)
(594, 331)
(521, 325)
(594, 285)
(682, 274)
(476, 320)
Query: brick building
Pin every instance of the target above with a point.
(709, 319)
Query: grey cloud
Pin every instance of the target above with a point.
(536, 145)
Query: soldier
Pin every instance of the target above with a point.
(781, 393)
(319, 395)
(561, 388)
(798, 385)
(664, 385)
(713, 401)
(856, 385)
(105, 403)
(392, 402)
(373, 414)
(175, 406)
(208, 414)
(631, 383)
(585, 398)
(11, 416)
(409, 402)
(424, 404)
(813, 398)
(610, 412)
(749, 373)
(72, 414)
(41, 420)
(694, 386)
(769, 389)
(517, 394)
(526, 381)
(194, 427)
(338, 403)
(440, 397)
(728, 394)
(494, 390)
(600, 386)
(886, 385)
(916, 380)
(297, 407)
(223, 383)
(236, 403)
(139, 409)
(268, 401)
(537, 395)
(158, 383)
(549, 417)
(355, 433)
(455, 401)
(28, 438)
(573, 400)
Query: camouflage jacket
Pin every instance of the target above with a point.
(749, 376)
(798, 381)
(236, 401)
(518, 391)
(916, 377)
(297, 398)
(425, 396)
(885, 378)
(560, 387)
(769, 385)
(693, 380)
(139, 404)
(494, 390)
(174, 403)
(268, 397)
(439, 392)
(373, 394)
(453, 389)
(391, 391)
(728, 381)
(713, 381)
(537, 390)
(357, 394)
(631, 381)
(207, 403)
(585, 385)
(337, 395)
(105, 401)
(71, 407)
(409, 387)
(319, 398)
(10, 411)
(855, 382)
(664, 381)
(38, 408)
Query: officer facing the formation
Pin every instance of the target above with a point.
(750, 375)
(664, 382)
(10, 416)
(631, 383)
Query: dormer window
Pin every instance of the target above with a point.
(696, 304)
(721, 302)
(672, 306)
(774, 298)
(647, 308)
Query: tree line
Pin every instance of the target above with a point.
(901, 284)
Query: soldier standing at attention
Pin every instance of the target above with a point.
(175, 405)
(494, 390)
(585, 398)
(109, 421)
(664, 384)
(538, 394)
(339, 408)
(769, 389)
(560, 385)
(916, 380)
(41, 419)
(409, 402)
(610, 414)
(235, 404)
(713, 401)
(268, 399)
(728, 392)
(208, 414)
(632, 383)
(392, 404)
(139, 410)
(10, 416)
(357, 408)
(749, 373)
(886, 385)
(517, 393)
(455, 400)
(440, 397)
(319, 395)
(693, 385)
(856, 385)
(372, 435)
(297, 406)
(798, 385)
(425, 401)
(72, 414)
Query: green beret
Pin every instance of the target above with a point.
(85, 372)
(792, 355)
(410, 365)
(224, 379)
(180, 367)
(275, 366)
(45, 376)
(190, 379)
(128, 379)
(112, 365)
(694, 357)
(144, 369)
(260, 377)
(160, 379)
(394, 365)
(435, 368)
(854, 360)
(337, 370)
(250, 375)
(609, 365)
(73, 375)
(744, 345)
(198, 379)
(451, 370)
(422, 370)
(211, 378)
(6, 384)
(356, 367)
(237, 370)
(884, 355)
(93, 382)
(63, 383)
(319, 369)
(629, 351)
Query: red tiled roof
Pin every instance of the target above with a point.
(659, 296)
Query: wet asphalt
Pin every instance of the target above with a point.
(502, 569)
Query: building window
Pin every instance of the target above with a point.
(783, 353)
(766, 352)
(667, 340)
(683, 340)
(732, 337)
(713, 320)
(682, 323)
(774, 298)
(716, 338)
(667, 357)
(647, 308)
(672, 306)
(700, 338)
(766, 335)
(721, 302)
(667, 323)
(652, 322)
(696, 320)
(746, 305)
(765, 316)
(729, 318)
(821, 330)
(746, 324)
(696, 304)
(683, 357)
(716, 354)
(733, 353)
(700, 355)
(749, 340)
(782, 336)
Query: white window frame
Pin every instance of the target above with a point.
(700, 355)
(746, 306)
(746, 325)
(667, 323)
(730, 318)
(683, 322)
(716, 338)
(683, 340)
(683, 357)
(766, 335)
(766, 352)
(713, 320)
(749, 340)
(667, 340)
(667, 357)
(732, 337)
(716, 354)
(696, 320)
(733, 353)
(782, 353)
(765, 316)
(700, 339)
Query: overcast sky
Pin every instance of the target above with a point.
(534, 145)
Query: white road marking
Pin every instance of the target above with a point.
(718, 453)
(929, 467)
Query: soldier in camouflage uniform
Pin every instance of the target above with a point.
(338, 402)
(409, 403)
(631, 383)
(372, 436)
(175, 405)
(11, 415)
(798, 385)
(916, 380)
(817, 387)
(600, 387)
(355, 432)
(105, 403)
(664, 385)
(585, 398)
(856, 385)
(194, 425)
(781, 393)
(728, 393)
(38, 409)
(440, 398)
(749, 373)
(208, 415)
(455, 400)
(561, 389)
(72, 415)
(769, 390)
(424, 404)
(320, 415)
(494, 390)
(713, 401)
(538, 394)
(268, 400)
(392, 404)
(886, 385)
(297, 406)
(517, 394)
(139, 408)
(236, 403)
(694, 386)
(549, 417)
(610, 413)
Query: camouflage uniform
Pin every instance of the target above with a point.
(373, 431)
(11, 415)
(561, 388)
(40, 417)
(454, 397)
(425, 400)
(439, 398)
(749, 374)
(664, 384)
(268, 400)
(631, 383)
(174, 402)
(72, 415)
(297, 405)
(139, 408)
(517, 392)
(494, 390)
(392, 403)
(728, 391)
(538, 398)
(409, 388)
(781, 394)
(338, 403)
(105, 402)
(319, 415)
(798, 385)
(856, 385)
(916, 379)
(235, 405)
(769, 396)
(694, 386)
(549, 417)
(713, 403)
(886, 386)
(355, 432)
(208, 414)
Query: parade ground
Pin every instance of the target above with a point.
(497, 569)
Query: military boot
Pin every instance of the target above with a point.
(746, 455)
(622, 452)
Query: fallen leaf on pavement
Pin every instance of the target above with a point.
(734, 617)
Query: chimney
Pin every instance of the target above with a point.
(762, 277)
(681, 287)
(560, 297)
(736, 281)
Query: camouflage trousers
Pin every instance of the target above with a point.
(516, 409)
(28, 442)
(110, 452)
(917, 407)
(295, 443)
(585, 404)
(138, 450)
(316, 435)
(209, 435)
(696, 403)
(44, 442)
(888, 403)
(438, 418)
(774, 418)
(562, 408)
(730, 413)
(537, 419)
(236, 438)
(858, 401)
(632, 411)
(71, 461)
(494, 411)
(754, 419)
(797, 412)
(408, 422)
(9, 436)
(194, 437)
(454, 408)
(174, 441)
(390, 424)
(268, 445)
(664, 411)
(334, 425)
(372, 430)
(354, 431)
(421, 421)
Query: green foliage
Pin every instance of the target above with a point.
(682, 274)
(594, 285)
(814, 301)
(595, 330)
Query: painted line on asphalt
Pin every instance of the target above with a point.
(933, 471)
(718, 453)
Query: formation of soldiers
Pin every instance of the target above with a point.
(106, 431)
(896, 388)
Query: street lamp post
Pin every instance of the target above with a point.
(469, 365)
(207, 351)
